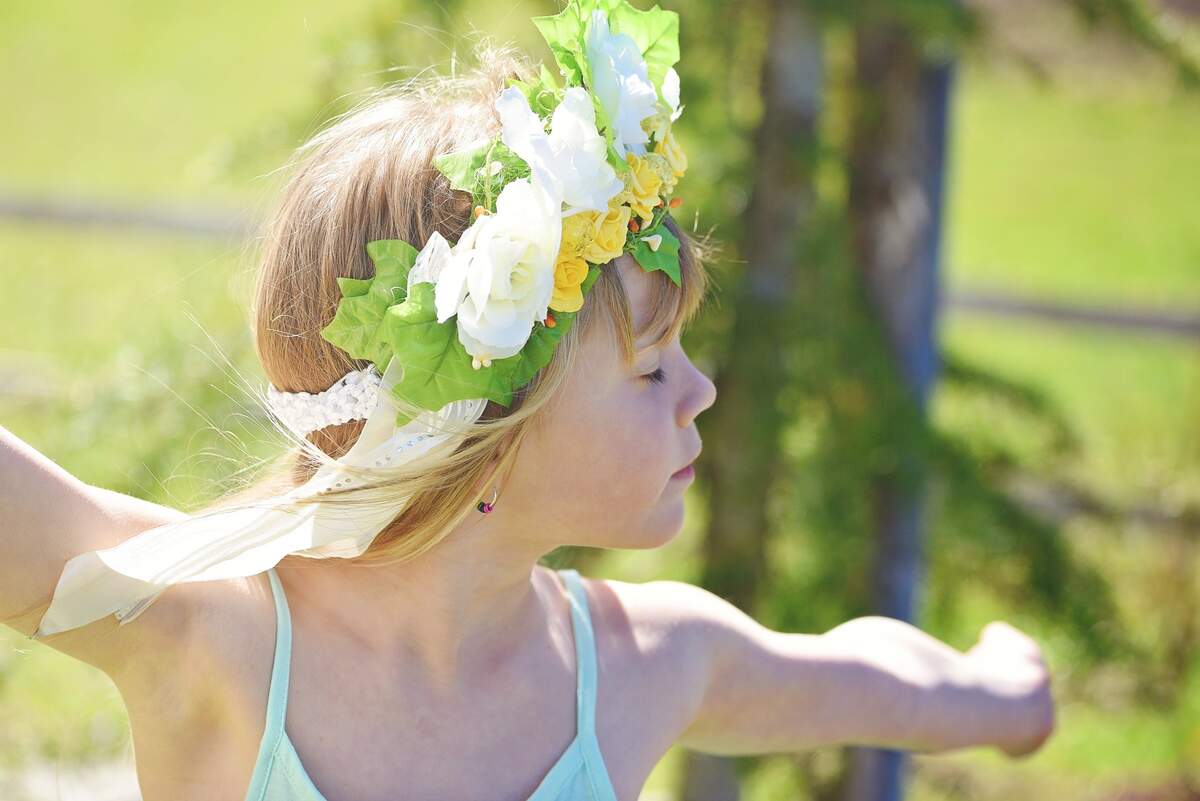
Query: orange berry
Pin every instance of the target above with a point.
(633, 224)
(550, 322)
(676, 202)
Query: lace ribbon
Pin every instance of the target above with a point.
(246, 540)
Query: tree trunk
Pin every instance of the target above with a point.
(896, 166)
(746, 424)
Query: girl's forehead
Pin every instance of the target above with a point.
(637, 283)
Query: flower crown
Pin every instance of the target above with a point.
(579, 174)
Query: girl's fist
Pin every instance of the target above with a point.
(1009, 664)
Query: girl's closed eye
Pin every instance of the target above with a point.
(658, 376)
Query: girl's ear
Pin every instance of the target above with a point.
(490, 477)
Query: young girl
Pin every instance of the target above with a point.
(443, 661)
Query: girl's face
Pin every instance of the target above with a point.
(598, 466)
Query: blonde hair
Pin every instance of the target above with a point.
(367, 176)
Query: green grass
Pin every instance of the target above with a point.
(55, 708)
(1073, 194)
(138, 99)
(1133, 399)
(115, 376)
(1086, 196)
(81, 294)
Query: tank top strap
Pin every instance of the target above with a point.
(585, 652)
(281, 666)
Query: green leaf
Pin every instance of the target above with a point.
(547, 94)
(355, 327)
(462, 166)
(588, 6)
(547, 77)
(464, 169)
(666, 258)
(512, 167)
(543, 94)
(353, 287)
(656, 32)
(392, 257)
(614, 158)
(437, 368)
(593, 274)
(563, 32)
(561, 29)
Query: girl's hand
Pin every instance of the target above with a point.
(1009, 665)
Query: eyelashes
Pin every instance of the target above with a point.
(658, 376)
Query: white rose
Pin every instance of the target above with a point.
(430, 262)
(659, 123)
(670, 95)
(571, 158)
(621, 83)
(500, 275)
(670, 92)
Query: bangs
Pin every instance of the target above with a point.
(672, 307)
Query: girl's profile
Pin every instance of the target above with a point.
(501, 238)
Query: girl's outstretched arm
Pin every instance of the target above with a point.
(872, 681)
(47, 515)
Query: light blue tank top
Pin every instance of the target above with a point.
(579, 774)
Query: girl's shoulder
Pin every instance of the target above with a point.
(217, 624)
(148, 656)
(209, 686)
(663, 612)
(715, 669)
(665, 631)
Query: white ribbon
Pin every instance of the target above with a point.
(248, 539)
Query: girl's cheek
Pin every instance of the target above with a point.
(652, 449)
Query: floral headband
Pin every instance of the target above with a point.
(579, 174)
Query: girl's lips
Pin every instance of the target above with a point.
(686, 472)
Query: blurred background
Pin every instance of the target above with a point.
(955, 333)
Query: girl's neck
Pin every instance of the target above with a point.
(468, 608)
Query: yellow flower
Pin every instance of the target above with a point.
(644, 181)
(669, 148)
(568, 279)
(608, 241)
(658, 122)
(621, 198)
(578, 231)
(596, 237)
(665, 173)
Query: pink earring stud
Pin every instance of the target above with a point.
(487, 506)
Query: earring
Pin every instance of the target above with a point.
(487, 506)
